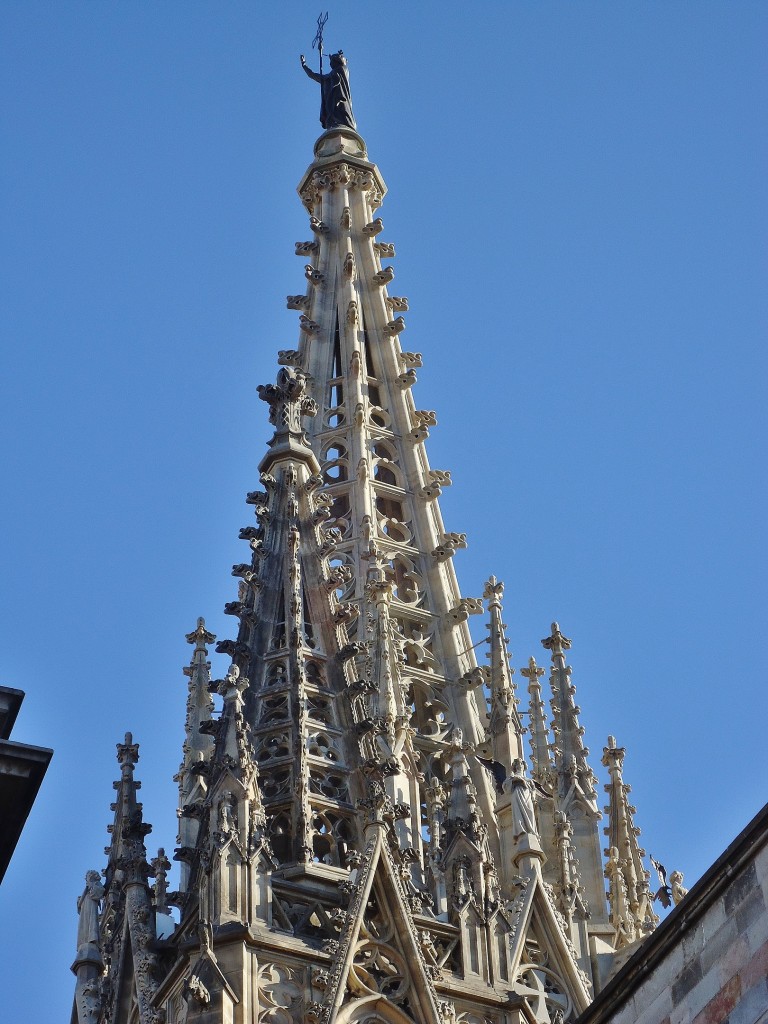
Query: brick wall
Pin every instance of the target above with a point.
(722, 974)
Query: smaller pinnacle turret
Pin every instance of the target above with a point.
(629, 892)
(160, 867)
(129, 916)
(574, 796)
(128, 854)
(544, 777)
(288, 404)
(569, 888)
(461, 807)
(227, 872)
(391, 734)
(198, 745)
(541, 759)
(505, 725)
(576, 780)
(233, 745)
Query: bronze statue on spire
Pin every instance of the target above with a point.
(335, 95)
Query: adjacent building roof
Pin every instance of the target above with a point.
(22, 767)
(734, 864)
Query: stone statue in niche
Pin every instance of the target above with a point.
(88, 910)
(227, 820)
(335, 95)
(463, 886)
(519, 788)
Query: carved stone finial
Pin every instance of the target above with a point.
(533, 672)
(312, 275)
(160, 867)
(127, 755)
(200, 636)
(194, 991)
(457, 739)
(613, 756)
(287, 399)
(494, 591)
(376, 804)
(556, 643)
(288, 403)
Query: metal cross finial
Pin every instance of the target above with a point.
(317, 42)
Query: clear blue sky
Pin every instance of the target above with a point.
(577, 196)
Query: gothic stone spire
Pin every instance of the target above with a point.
(345, 849)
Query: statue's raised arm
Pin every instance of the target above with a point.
(312, 74)
(335, 95)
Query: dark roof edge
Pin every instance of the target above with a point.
(10, 702)
(25, 751)
(700, 898)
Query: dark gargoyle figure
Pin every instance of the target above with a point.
(335, 95)
(664, 895)
(497, 770)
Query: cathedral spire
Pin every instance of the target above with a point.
(359, 833)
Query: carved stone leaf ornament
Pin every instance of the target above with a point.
(288, 399)
(338, 176)
(289, 356)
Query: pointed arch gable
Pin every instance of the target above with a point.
(388, 957)
(461, 846)
(537, 923)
